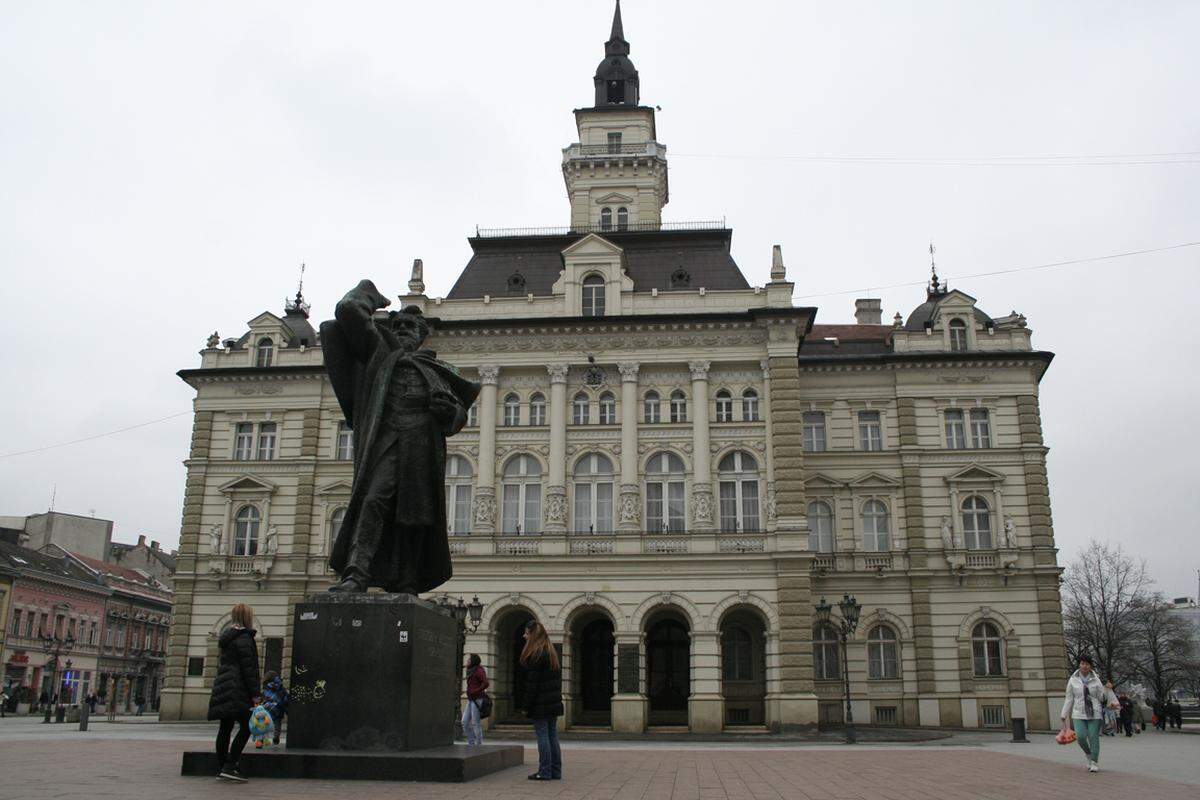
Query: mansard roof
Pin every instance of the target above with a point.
(651, 257)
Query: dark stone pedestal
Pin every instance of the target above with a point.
(451, 764)
(372, 672)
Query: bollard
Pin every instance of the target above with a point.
(84, 713)
(60, 713)
(1018, 730)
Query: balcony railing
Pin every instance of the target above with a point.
(590, 151)
(632, 227)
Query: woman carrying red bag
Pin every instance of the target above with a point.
(1084, 705)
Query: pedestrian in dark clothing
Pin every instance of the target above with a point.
(275, 698)
(543, 699)
(1175, 714)
(1160, 715)
(234, 690)
(43, 699)
(1126, 713)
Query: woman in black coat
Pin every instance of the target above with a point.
(543, 699)
(234, 690)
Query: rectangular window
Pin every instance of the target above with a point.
(243, 441)
(108, 637)
(16, 623)
(608, 411)
(604, 507)
(956, 429)
(750, 407)
(581, 411)
(345, 442)
(512, 414)
(724, 408)
(728, 504)
(814, 431)
(614, 143)
(981, 434)
(652, 410)
(29, 620)
(675, 507)
(511, 503)
(533, 506)
(121, 636)
(195, 667)
(993, 716)
(460, 508)
(750, 506)
(986, 654)
(537, 413)
(870, 431)
(654, 507)
(583, 508)
(92, 634)
(473, 416)
(885, 715)
(678, 409)
(266, 441)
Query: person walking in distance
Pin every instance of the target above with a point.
(1083, 707)
(234, 690)
(543, 699)
(477, 685)
(1126, 713)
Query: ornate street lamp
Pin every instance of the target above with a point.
(475, 609)
(54, 647)
(845, 627)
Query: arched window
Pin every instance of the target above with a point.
(652, 408)
(537, 409)
(724, 406)
(594, 494)
(875, 527)
(665, 506)
(606, 219)
(958, 335)
(883, 653)
(581, 409)
(522, 495)
(977, 523)
(264, 353)
(820, 527)
(335, 525)
(737, 654)
(986, 650)
(622, 219)
(826, 656)
(678, 406)
(593, 296)
(512, 410)
(458, 495)
(245, 531)
(750, 405)
(608, 409)
(737, 476)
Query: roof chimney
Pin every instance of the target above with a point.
(868, 311)
(778, 271)
(141, 540)
(416, 284)
(153, 545)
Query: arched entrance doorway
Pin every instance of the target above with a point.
(508, 684)
(592, 645)
(744, 667)
(668, 670)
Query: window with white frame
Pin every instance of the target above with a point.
(956, 429)
(593, 296)
(606, 219)
(473, 415)
(883, 653)
(512, 410)
(458, 495)
(870, 431)
(622, 219)
(820, 527)
(678, 406)
(335, 525)
(266, 441)
(958, 335)
(608, 409)
(977, 523)
(344, 446)
(245, 531)
(666, 510)
(981, 431)
(651, 408)
(814, 431)
(724, 406)
(986, 652)
(243, 441)
(537, 409)
(522, 495)
(737, 478)
(581, 409)
(593, 494)
(826, 654)
(614, 142)
(876, 528)
(750, 405)
(264, 353)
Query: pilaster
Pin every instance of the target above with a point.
(555, 517)
(485, 481)
(630, 501)
(702, 493)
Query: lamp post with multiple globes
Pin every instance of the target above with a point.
(845, 627)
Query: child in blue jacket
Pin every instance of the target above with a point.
(275, 698)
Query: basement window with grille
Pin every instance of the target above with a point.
(737, 716)
(993, 716)
(885, 715)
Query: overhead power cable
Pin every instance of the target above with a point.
(1079, 160)
(96, 436)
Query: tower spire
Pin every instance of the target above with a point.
(616, 78)
(936, 287)
(618, 32)
(298, 306)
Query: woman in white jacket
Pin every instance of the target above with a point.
(1084, 706)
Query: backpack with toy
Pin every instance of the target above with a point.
(261, 726)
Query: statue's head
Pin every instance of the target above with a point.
(409, 326)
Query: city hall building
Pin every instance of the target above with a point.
(669, 468)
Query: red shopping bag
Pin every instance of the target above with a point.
(1065, 737)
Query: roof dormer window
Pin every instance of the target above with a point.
(958, 335)
(593, 296)
(264, 353)
(516, 283)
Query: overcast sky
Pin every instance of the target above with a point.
(167, 166)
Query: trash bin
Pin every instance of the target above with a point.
(84, 713)
(73, 714)
(60, 713)
(1018, 730)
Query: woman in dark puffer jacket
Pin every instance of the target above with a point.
(234, 690)
(543, 699)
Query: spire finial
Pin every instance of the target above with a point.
(618, 30)
(298, 305)
(934, 285)
(616, 44)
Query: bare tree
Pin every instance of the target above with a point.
(1103, 590)
(1166, 647)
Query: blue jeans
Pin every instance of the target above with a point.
(1087, 733)
(549, 753)
(472, 727)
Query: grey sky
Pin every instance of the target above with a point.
(166, 167)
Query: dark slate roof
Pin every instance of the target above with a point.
(852, 340)
(650, 259)
(925, 313)
(302, 333)
(46, 566)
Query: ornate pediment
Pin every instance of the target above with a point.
(248, 483)
(336, 487)
(819, 480)
(874, 479)
(613, 198)
(975, 473)
(592, 245)
(265, 320)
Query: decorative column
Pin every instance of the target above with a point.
(706, 704)
(630, 515)
(772, 508)
(556, 481)
(485, 480)
(702, 500)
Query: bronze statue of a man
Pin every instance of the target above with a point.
(401, 402)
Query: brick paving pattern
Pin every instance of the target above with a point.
(133, 770)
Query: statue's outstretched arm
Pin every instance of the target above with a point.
(355, 313)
